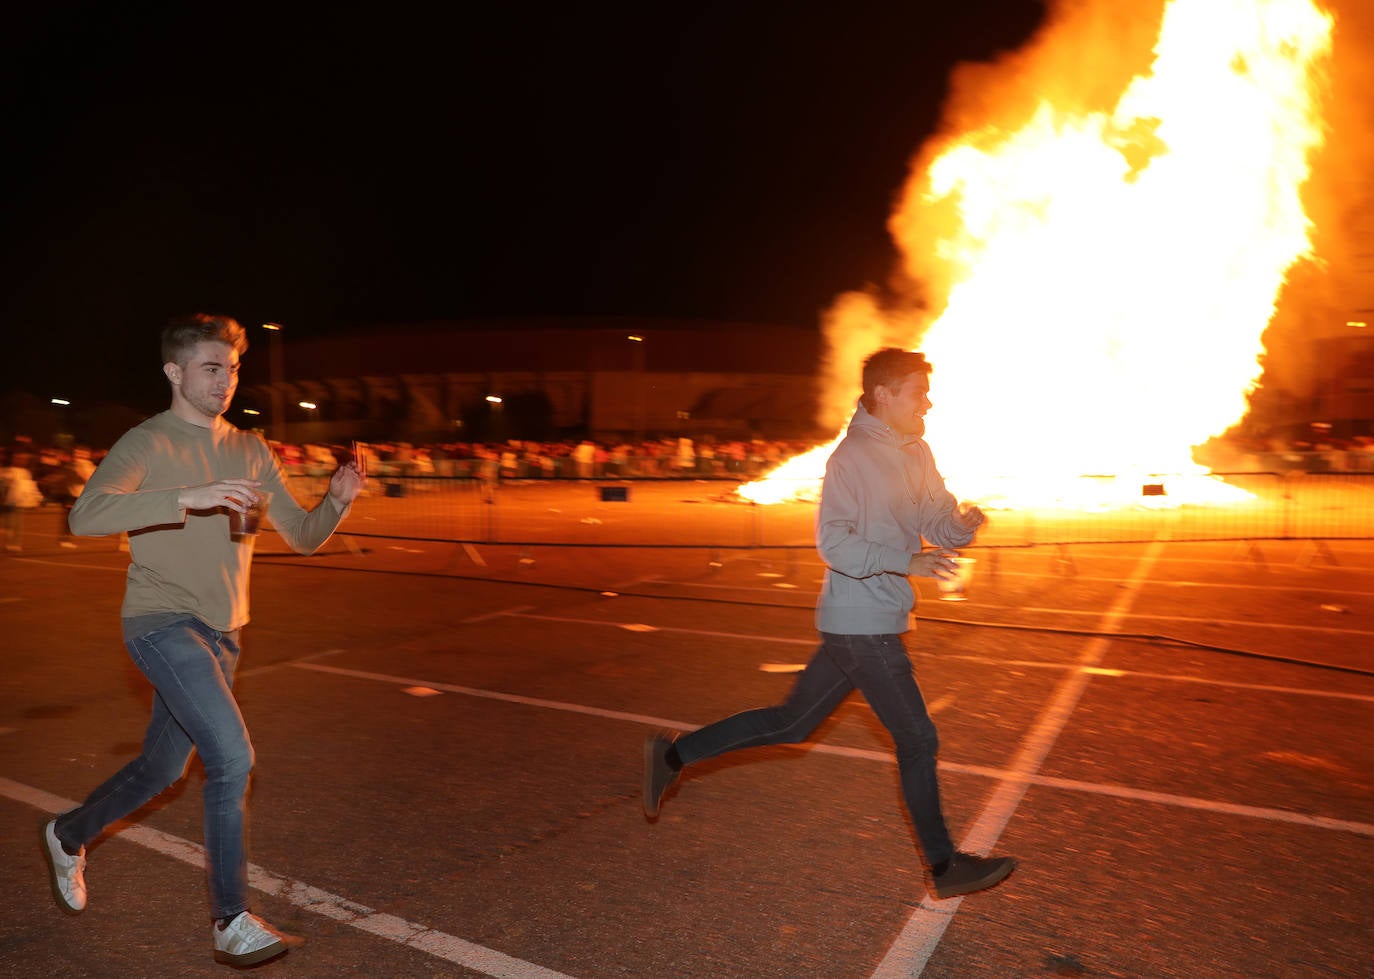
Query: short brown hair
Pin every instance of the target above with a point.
(184, 332)
(889, 367)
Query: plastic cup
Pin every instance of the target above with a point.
(953, 588)
(244, 526)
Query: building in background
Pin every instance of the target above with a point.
(489, 380)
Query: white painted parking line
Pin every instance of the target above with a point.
(1208, 805)
(975, 607)
(634, 582)
(918, 652)
(813, 566)
(511, 698)
(691, 632)
(718, 586)
(940, 703)
(919, 938)
(1157, 617)
(408, 933)
(121, 568)
(272, 667)
(496, 615)
(879, 757)
(474, 556)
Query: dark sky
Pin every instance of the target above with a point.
(383, 163)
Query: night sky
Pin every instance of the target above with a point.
(377, 164)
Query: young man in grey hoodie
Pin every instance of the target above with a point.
(882, 494)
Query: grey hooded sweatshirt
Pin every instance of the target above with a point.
(882, 494)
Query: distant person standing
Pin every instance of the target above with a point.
(63, 485)
(19, 493)
(583, 458)
(176, 484)
(882, 494)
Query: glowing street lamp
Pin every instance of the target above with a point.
(274, 357)
(638, 341)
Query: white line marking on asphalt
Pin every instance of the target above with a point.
(940, 703)
(917, 651)
(1036, 610)
(271, 667)
(496, 615)
(1208, 805)
(911, 951)
(1054, 576)
(511, 698)
(1154, 617)
(664, 628)
(473, 556)
(627, 585)
(1263, 687)
(407, 933)
(881, 757)
(1028, 664)
(712, 585)
(122, 568)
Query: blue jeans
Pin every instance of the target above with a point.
(191, 667)
(879, 667)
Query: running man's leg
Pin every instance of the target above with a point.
(162, 763)
(818, 691)
(881, 668)
(191, 666)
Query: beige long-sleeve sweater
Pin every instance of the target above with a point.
(186, 561)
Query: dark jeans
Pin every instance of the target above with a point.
(879, 667)
(191, 667)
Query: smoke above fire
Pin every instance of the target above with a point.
(1093, 245)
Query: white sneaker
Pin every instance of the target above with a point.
(248, 940)
(67, 873)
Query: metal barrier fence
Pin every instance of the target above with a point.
(709, 513)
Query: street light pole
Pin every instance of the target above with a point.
(274, 356)
(638, 341)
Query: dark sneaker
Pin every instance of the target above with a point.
(248, 940)
(66, 873)
(658, 774)
(967, 873)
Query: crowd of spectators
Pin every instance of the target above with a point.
(33, 476)
(669, 458)
(1315, 452)
(685, 458)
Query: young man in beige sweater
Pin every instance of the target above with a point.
(177, 485)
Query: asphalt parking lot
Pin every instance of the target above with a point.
(1172, 737)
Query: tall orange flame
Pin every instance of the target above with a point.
(1106, 276)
